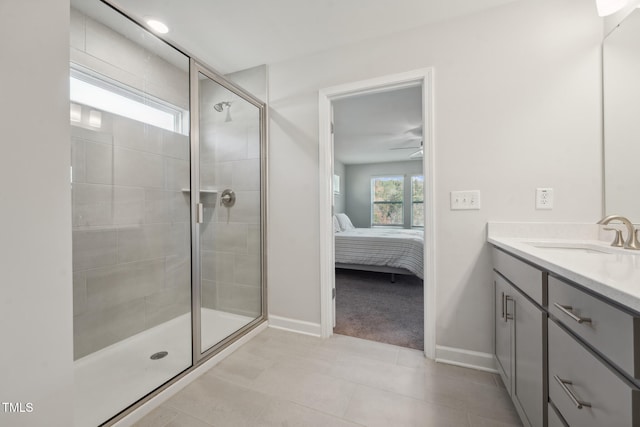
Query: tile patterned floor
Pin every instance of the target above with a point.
(285, 379)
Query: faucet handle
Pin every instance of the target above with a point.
(618, 242)
(634, 244)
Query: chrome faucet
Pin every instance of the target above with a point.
(632, 238)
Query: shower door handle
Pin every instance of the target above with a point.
(200, 213)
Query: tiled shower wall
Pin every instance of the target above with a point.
(230, 158)
(131, 237)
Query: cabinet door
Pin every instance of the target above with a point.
(503, 330)
(528, 359)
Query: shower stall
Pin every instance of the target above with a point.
(168, 167)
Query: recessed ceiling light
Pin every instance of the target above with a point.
(157, 26)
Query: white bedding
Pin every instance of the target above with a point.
(400, 248)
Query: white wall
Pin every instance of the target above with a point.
(358, 184)
(35, 213)
(517, 106)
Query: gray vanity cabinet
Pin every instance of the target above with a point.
(520, 324)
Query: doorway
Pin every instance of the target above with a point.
(399, 213)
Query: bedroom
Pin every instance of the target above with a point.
(378, 196)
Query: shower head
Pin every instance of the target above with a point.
(220, 106)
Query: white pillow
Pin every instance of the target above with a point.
(336, 225)
(345, 222)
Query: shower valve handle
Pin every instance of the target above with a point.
(228, 198)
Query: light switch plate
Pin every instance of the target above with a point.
(465, 200)
(544, 198)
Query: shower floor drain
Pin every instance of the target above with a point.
(159, 355)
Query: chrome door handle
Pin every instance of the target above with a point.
(502, 299)
(563, 383)
(566, 309)
(200, 213)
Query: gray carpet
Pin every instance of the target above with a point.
(369, 306)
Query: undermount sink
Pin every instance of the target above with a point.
(576, 247)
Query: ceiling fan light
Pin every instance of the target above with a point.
(608, 7)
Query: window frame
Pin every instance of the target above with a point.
(84, 76)
(414, 202)
(401, 178)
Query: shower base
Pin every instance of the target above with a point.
(111, 379)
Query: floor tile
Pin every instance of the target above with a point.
(280, 378)
(159, 417)
(372, 407)
(289, 414)
(478, 421)
(315, 390)
(219, 402)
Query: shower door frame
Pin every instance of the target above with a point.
(196, 68)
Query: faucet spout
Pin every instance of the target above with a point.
(632, 238)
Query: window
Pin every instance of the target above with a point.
(417, 201)
(387, 195)
(106, 95)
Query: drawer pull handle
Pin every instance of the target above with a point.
(507, 316)
(563, 383)
(566, 309)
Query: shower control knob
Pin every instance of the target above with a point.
(228, 198)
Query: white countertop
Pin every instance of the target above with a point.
(613, 275)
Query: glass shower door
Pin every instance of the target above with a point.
(228, 210)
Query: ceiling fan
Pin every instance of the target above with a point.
(414, 134)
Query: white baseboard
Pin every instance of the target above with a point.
(466, 358)
(294, 325)
(158, 400)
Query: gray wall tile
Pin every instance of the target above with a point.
(176, 173)
(247, 269)
(246, 175)
(116, 285)
(175, 145)
(166, 305)
(137, 243)
(93, 248)
(93, 331)
(79, 292)
(138, 169)
(136, 135)
(98, 163)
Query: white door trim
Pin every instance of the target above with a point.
(423, 77)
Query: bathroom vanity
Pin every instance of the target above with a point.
(567, 324)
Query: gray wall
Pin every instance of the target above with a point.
(339, 200)
(36, 361)
(358, 204)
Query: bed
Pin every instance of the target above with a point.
(395, 251)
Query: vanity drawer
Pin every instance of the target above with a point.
(527, 278)
(613, 401)
(606, 328)
(554, 419)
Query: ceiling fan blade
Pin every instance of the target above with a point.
(405, 148)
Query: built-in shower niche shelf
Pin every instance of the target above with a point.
(202, 191)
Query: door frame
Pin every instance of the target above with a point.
(424, 78)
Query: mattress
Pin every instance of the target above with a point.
(400, 248)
